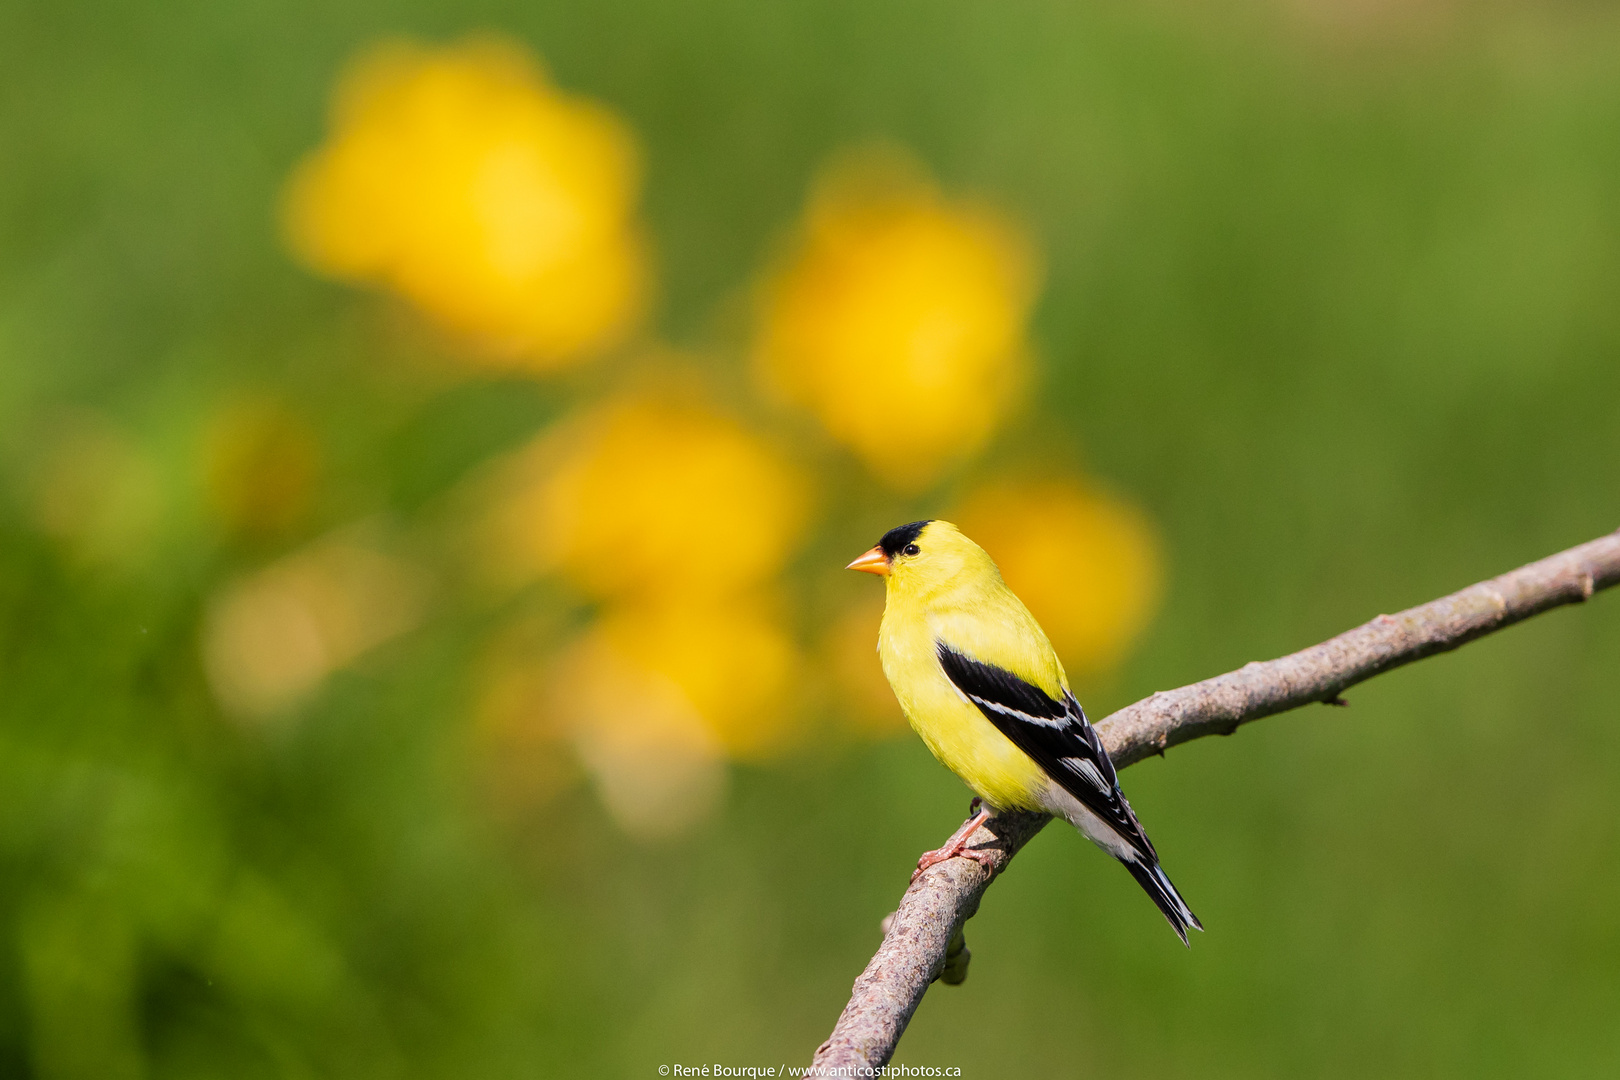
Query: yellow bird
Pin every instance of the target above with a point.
(980, 683)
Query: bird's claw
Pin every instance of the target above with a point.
(957, 844)
(934, 858)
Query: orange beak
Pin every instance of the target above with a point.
(872, 562)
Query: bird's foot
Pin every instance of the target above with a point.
(957, 845)
(933, 858)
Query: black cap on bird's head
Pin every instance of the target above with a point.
(896, 539)
(900, 540)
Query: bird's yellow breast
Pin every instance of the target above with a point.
(953, 727)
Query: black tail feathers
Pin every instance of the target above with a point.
(1154, 882)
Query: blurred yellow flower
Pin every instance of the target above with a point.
(498, 205)
(730, 659)
(1088, 565)
(899, 319)
(657, 696)
(270, 639)
(656, 764)
(649, 495)
(866, 704)
(674, 515)
(261, 462)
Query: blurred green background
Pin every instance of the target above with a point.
(1331, 291)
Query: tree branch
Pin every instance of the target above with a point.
(926, 930)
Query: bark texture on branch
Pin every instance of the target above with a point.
(934, 908)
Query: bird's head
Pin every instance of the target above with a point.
(926, 558)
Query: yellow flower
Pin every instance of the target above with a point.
(731, 660)
(649, 495)
(1087, 565)
(498, 205)
(656, 697)
(674, 516)
(657, 766)
(848, 653)
(899, 319)
(270, 639)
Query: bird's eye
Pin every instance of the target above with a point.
(911, 549)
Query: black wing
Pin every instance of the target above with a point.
(1054, 733)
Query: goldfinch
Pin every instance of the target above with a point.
(980, 683)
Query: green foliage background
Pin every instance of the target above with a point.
(1336, 301)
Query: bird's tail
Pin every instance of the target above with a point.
(1156, 884)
